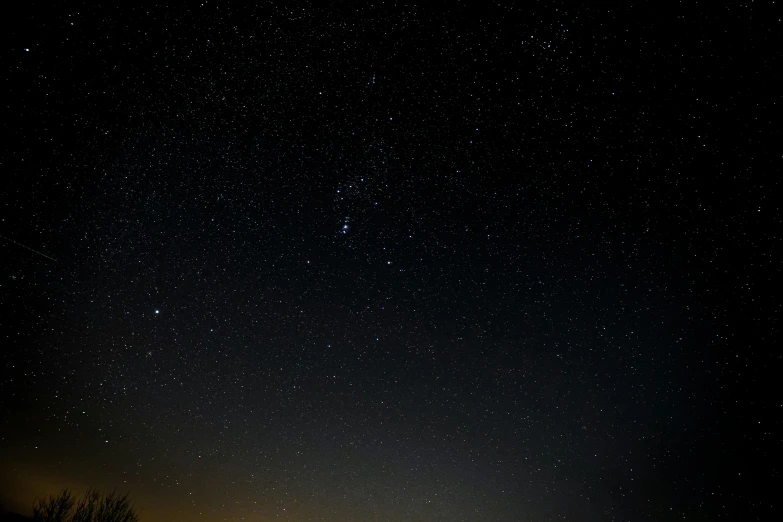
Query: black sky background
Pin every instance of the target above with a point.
(393, 262)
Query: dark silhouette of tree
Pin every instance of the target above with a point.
(92, 507)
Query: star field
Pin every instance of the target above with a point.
(393, 262)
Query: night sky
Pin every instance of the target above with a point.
(388, 262)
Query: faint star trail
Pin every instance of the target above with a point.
(27, 247)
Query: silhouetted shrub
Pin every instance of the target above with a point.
(92, 507)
